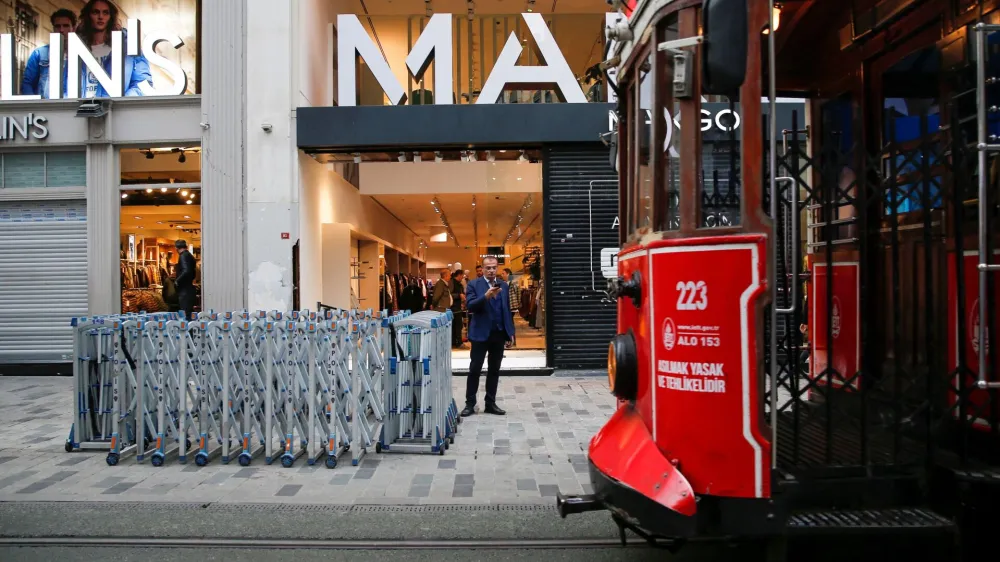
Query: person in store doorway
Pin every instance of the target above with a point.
(441, 294)
(458, 308)
(490, 328)
(184, 282)
(35, 80)
(515, 300)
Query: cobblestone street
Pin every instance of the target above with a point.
(527, 456)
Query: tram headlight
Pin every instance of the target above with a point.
(623, 366)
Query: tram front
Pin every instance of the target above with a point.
(688, 452)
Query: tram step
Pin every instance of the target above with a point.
(869, 520)
(988, 476)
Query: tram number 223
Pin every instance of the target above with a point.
(692, 295)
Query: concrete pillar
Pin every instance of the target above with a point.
(103, 210)
(223, 164)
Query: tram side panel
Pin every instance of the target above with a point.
(706, 394)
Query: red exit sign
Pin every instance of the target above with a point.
(285, 236)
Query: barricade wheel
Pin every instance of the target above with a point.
(287, 461)
(201, 459)
(157, 460)
(378, 447)
(112, 459)
(331, 461)
(441, 450)
(244, 460)
(69, 447)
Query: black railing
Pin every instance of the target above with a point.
(895, 217)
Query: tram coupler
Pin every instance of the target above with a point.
(570, 505)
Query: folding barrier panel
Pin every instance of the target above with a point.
(281, 385)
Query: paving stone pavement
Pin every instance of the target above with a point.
(537, 449)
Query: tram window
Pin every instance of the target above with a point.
(911, 120)
(669, 31)
(644, 143)
(720, 160)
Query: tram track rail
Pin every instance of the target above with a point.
(314, 544)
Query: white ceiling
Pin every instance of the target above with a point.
(495, 214)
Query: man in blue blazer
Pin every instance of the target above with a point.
(490, 328)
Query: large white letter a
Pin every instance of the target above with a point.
(554, 74)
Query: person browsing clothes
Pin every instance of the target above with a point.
(490, 328)
(185, 279)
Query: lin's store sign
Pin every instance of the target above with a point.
(124, 44)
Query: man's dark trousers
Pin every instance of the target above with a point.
(185, 300)
(494, 346)
(456, 329)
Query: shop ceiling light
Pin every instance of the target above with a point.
(163, 189)
(124, 195)
(149, 190)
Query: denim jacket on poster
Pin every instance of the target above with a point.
(37, 70)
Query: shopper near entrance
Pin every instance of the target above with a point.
(36, 70)
(479, 271)
(515, 299)
(441, 294)
(491, 326)
(185, 279)
(457, 308)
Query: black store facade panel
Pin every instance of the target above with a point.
(580, 188)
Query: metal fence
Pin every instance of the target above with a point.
(240, 385)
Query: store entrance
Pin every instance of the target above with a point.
(466, 206)
(160, 230)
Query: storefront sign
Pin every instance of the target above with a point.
(113, 75)
(30, 125)
(978, 408)
(704, 360)
(845, 324)
(435, 44)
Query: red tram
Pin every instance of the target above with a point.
(802, 341)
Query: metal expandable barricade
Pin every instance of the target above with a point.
(421, 412)
(240, 385)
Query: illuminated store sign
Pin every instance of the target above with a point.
(436, 44)
(81, 63)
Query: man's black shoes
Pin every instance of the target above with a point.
(489, 409)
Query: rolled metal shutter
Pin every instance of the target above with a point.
(581, 208)
(43, 278)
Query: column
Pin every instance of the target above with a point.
(103, 205)
(224, 258)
